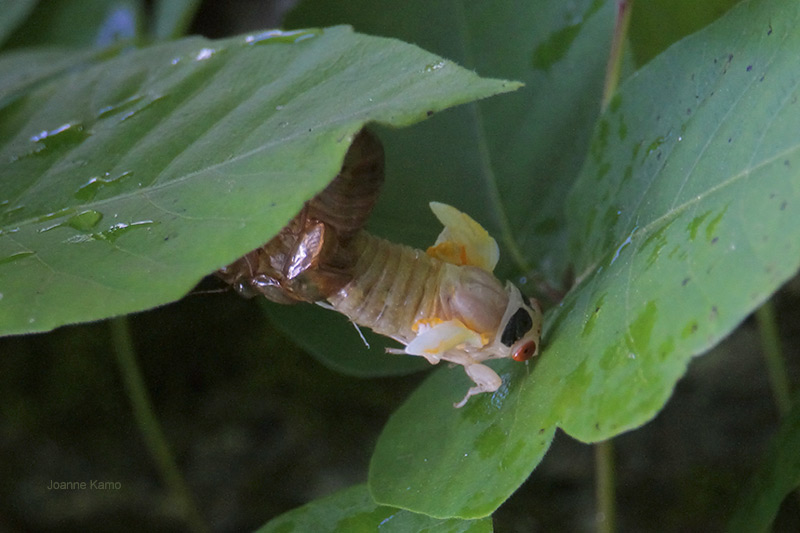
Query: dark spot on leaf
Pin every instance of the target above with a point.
(714, 240)
(688, 110)
(783, 205)
(786, 163)
(761, 78)
(714, 313)
(749, 68)
(430, 112)
(685, 281)
(769, 30)
(597, 425)
(541, 431)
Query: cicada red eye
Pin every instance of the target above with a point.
(524, 352)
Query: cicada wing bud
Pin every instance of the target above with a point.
(476, 297)
(463, 241)
(433, 341)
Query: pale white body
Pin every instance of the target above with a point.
(440, 310)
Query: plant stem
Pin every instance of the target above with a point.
(776, 368)
(773, 354)
(148, 423)
(613, 67)
(604, 486)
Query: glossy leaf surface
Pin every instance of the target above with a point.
(125, 182)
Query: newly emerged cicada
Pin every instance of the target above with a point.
(443, 304)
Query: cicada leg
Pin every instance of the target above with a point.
(486, 380)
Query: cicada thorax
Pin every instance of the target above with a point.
(312, 257)
(396, 288)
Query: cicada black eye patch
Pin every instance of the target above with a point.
(517, 327)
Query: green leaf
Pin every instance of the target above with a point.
(352, 510)
(69, 23)
(778, 476)
(685, 216)
(507, 163)
(683, 220)
(173, 17)
(125, 183)
(24, 69)
(12, 14)
(656, 24)
(434, 459)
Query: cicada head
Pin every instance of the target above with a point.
(521, 327)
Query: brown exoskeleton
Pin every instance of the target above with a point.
(442, 304)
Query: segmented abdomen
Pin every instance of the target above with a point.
(393, 286)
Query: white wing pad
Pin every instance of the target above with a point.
(463, 241)
(434, 340)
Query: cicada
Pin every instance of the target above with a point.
(443, 304)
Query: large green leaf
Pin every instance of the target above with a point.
(353, 511)
(126, 182)
(683, 220)
(508, 163)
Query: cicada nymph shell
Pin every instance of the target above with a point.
(311, 257)
(443, 304)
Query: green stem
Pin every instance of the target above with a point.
(148, 423)
(606, 514)
(614, 65)
(773, 354)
